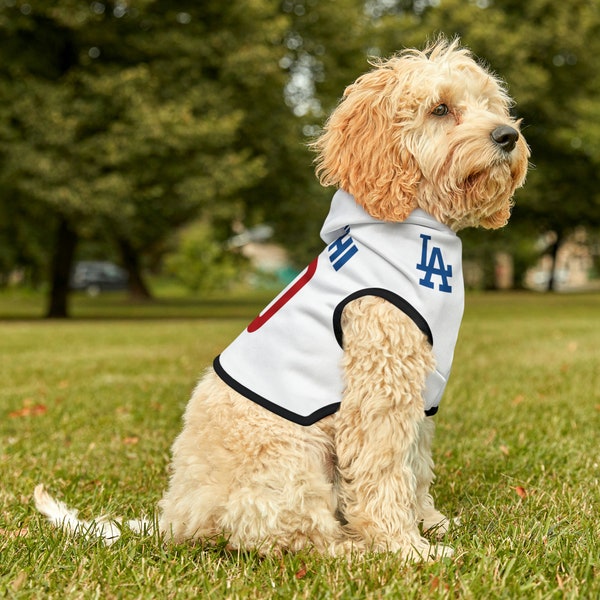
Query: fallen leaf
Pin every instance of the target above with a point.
(14, 533)
(521, 492)
(491, 437)
(301, 573)
(435, 584)
(131, 441)
(27, 411)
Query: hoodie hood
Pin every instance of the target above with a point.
(345, 211)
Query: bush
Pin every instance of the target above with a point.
(203, 263)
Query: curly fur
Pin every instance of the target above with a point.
(359, 479)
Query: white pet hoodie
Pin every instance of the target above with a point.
(288, 360)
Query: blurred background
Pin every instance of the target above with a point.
(144, 141)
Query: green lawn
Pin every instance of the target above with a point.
(91, 406)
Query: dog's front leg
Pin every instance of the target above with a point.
(434, 522)
(386, 361)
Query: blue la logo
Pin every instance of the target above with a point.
(432, 263)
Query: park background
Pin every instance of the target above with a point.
(165, 136)
(170, 138)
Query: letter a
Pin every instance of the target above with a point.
(433, 265)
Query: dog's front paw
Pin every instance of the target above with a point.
(441, 551)
(437, 525)
(424, 551)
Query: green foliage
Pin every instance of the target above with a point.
(91, 407)
(110, 131)
(131, 119)
(126, 118)
(201, 262)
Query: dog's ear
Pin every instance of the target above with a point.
(498, 219)
(362, 151)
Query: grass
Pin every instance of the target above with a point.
(91, 406)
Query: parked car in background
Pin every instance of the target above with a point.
(94, 277)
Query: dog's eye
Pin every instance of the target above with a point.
(441, 110)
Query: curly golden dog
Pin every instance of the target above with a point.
(313, 429)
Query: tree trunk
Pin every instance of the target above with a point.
(552, 281)
(62, 264)
(131, 261)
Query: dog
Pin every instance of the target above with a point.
(313, 429)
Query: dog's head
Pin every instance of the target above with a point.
(428, 130)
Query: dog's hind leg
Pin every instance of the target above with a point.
(284, 499)
(279, 510)
(259, 480)
(386, 361)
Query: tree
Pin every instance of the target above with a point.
(117, 117)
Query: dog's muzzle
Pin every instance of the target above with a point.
(505, 137)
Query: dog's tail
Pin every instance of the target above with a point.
(63, 517)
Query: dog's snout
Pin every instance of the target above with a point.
(506, 137)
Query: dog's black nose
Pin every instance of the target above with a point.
(506, 137)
